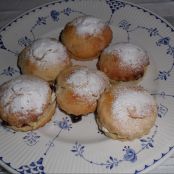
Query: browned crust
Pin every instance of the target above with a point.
(49, 73)
(67, 100)
(116, 130)
(41, 121)
(111, 65)
(85, 47)
(30, 121)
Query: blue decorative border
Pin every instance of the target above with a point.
(161, 41)
(130, 155)
(112, 162)
(152, 14)
(111, 3)
(31, 139)
(154, 161)
(33, 11)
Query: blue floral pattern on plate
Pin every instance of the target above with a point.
(162, 41)
(10, 71)
(31, 138)
(130, 153)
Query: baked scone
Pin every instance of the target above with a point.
(44, 58)
(123, 62)
(79, 88)
(85, 37)
(26, 103)
(126, 112)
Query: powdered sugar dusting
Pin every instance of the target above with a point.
(24, 94)
(132, 103)
(87, 83)
(46, 51)
(129, 54)
(88, 25)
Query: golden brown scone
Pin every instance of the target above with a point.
(126, 112)
(85, 37)
(78, 89)
(26, 103)
(123, 62)
(44, 58)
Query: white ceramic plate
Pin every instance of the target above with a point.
(65, 147)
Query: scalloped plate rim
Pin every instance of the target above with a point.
(150, 166)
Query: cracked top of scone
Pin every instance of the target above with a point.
(24, 95)
(47, 52)
(86, 83)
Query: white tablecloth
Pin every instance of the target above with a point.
(9, 9)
